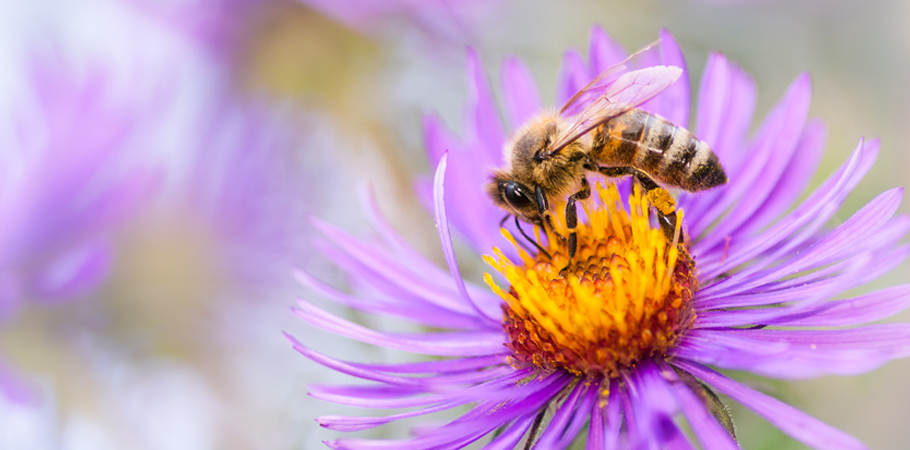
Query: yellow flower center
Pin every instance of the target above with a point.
(625, 296)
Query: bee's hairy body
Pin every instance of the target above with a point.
(636, 143)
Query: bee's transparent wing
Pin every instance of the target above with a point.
(614, 92)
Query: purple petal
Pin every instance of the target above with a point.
(597, 438)
(797, 354)
(440, 366)
(653, 407)
(370, 259)
(520, 95)
(73, 273)
(347, 423)
(569, 417)
(490, 415)
(14, 389)
(673, 103)
(437, 139)
(442, 225)
(443, 344)
(614, 416)
(878, 305)
(483, 120)
(838, 243)
(769, 155)
(797, 424)
(573, 75)
(726, 105)
(603, 52)
(821, 203)
(510, 438)
(710, 433)
(791, 184)
(417, 312)
(499, 389)
(349, 369)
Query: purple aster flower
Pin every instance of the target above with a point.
(619, 350)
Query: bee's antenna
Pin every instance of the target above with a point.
(502, 223)
(532, 241)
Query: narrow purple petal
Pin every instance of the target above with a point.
(614, 415)
(654, 408)
(469, 343)
(520, 95)
(877, 305)
(73, 273)
(442, 225)
(738, 95)
(791, 184)
(369, 258)
(437, 139)
(769, 154)
(581, 416)
(565, 421)
(797, 354)
(726, 103)
(710, 433)
(349, 369)
(417, 312)
(440, 366)
(349, 423)
(797, 424)
(821, 203)
(603, 52)
(491, 415)
(673, 103)
(483, 119)
(435, 390)
(839, 242)
(597, 438)
(573, 75)
(499, 389)
(510, 438)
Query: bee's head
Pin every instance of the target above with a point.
(514, 196)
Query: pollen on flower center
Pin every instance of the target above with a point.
(625, 296)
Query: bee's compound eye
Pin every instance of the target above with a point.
(515, 195)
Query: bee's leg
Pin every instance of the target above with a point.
(658, 197)
(572, 215)
(616, 172)
(543, 208)
(662, 201)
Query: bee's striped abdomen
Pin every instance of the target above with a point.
(667, 153)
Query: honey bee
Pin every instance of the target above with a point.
(552, 153)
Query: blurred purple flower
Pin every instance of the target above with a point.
(217, 26)
(220, 26)
(768, 274)
(69, 181)
(441, 18)
(245, 185)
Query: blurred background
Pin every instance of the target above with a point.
(160, 160)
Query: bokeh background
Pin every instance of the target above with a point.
(205, 133)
